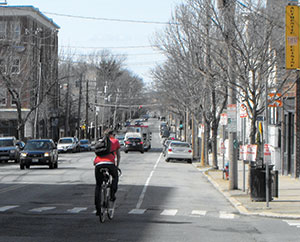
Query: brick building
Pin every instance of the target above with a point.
(28, 73)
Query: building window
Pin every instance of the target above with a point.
(2, 30)
(15, 67)
(16, 30)
(3, 96)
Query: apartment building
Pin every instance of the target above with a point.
(28, 73)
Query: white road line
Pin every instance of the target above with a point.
(225, 215)
(141, 198)
(5, 208)
(41, 209)
(169, 212)
(199, 213)
(76, 210)
(293, 222)
(137, 211)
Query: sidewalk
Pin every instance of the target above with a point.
(287, 205)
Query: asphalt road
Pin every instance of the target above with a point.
(156, 202)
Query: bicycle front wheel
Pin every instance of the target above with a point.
(102, 204)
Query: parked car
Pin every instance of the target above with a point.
(85, 145)
(10, 149)
(67, 144)
(121, 138)
(39, 152)
(178, 150)
(133, 142)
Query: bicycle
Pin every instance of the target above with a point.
(107, 207)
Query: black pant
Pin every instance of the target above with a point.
(113, 170)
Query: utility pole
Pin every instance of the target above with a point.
(87, 110)
(79, 107)
(67, 128)
(227, 8)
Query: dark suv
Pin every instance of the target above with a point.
(9, 149)
(134, 144)
(39, 152)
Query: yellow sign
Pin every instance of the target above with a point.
(292, 37)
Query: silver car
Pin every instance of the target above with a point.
(178, 150)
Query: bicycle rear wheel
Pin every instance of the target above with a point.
(110, 206)
(102, 204)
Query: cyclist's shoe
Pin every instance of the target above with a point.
(97, 213)
(112, 197)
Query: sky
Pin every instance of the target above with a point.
(83, 35)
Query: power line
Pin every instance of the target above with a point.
(109, 19)
(115, 47)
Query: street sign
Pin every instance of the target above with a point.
(243, 152)
(223, 119)
(232, 120)
(251, 152)
(267, 154)
(222, 148)
(243, 111)
(292, 37)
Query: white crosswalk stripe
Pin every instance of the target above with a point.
(76, 210)
(5, 208)
(42, 209)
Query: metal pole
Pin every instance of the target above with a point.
(266, 141)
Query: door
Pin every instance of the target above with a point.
(289, 149)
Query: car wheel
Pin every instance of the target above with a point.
(22, 167)
(189, 161)
(142, 151)
(27, 166)
(126, 151)
(167, 160)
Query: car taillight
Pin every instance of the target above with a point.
(169, 150)
(190, 151)
(127, 142)
(142, 142)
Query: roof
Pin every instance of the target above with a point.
(28, 10)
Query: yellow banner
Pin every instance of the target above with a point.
(292, 37)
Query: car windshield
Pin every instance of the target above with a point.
(38, 145)
(65, 141)
(6, 142)
(120, 137)
(84, 141)
(180, 145)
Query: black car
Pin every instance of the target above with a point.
(85, 145)
(134, 144)
(39, 152)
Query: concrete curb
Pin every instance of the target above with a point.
(239, 206)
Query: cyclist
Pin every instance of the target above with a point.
(108, 161)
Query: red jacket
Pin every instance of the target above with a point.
(110, 158)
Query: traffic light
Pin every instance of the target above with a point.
(180, 125)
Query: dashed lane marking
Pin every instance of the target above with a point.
(137, 211)
(5, 208)
(225, 215)
(169, 212)
(198, 213)
(41, 209)
(295, 223)
(76, 210)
